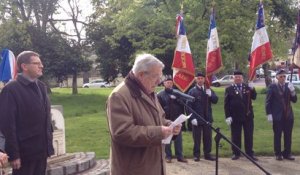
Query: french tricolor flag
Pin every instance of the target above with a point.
(183, 66)
(8, 66)
(261, 49)
(213, 54)
(296, 45)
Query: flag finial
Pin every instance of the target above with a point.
(181, 7)
(213, 4)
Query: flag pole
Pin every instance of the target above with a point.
(181, 7)
(208, 79)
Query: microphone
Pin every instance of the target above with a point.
(180, 95)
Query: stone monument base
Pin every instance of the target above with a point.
(75, 163)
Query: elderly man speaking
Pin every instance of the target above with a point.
(136, 121)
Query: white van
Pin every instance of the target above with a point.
(295, 79)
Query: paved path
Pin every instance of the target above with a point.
(237, 167)
(260, 82)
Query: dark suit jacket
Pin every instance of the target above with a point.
(238, 105)
(202, 104)
(171, 107)
(25, 120)
(279, 104)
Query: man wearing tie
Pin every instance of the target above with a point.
(280, 113)
(239, 114)
(204, 97)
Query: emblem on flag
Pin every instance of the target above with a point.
(183, 66)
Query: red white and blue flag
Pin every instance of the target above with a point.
(8, 69)
(261, 49)
(296, 50)
(213, 54)
(183, 66)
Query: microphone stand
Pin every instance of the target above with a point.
(218, 137)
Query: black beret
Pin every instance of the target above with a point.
(200, 74)
(168, 79)
(281, 71)
(237, 72)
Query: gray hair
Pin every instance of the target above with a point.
(144, 62)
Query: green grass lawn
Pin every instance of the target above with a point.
(86, 124)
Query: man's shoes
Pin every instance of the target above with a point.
(209, 157)
(289, 157)
(235, 157)
(168, 160)
(183, 160)
(279, 157)
(196, 159)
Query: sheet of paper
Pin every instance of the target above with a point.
(178, 121)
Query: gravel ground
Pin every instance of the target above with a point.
(236, 167)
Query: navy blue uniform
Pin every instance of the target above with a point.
(202, 106)
(238, 105)
(278, 103)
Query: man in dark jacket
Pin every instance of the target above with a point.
(204, 97)
(280, 112)
(25, 118)
(172, 109)
(239, 113)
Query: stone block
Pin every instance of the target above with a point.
(83, 165)
(56, 171)
(70, 168)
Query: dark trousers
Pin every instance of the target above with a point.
(207, 138)
(236, 136)
(178, 148)
(34, 167)
(285, 127)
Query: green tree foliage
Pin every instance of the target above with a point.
(25, 25)
(143, 26)
(14, 36)
(149, 25)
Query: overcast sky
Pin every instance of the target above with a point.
(85, 6)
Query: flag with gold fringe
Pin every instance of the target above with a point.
(183, 66)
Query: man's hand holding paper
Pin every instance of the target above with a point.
(166, 131)
(176, 127)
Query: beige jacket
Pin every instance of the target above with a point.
(135, 122)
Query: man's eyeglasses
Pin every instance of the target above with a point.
(153, 75)
(282, 76)
(36, 63)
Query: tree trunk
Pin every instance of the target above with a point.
(74, 84)
(236, 66)
(267, 75)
